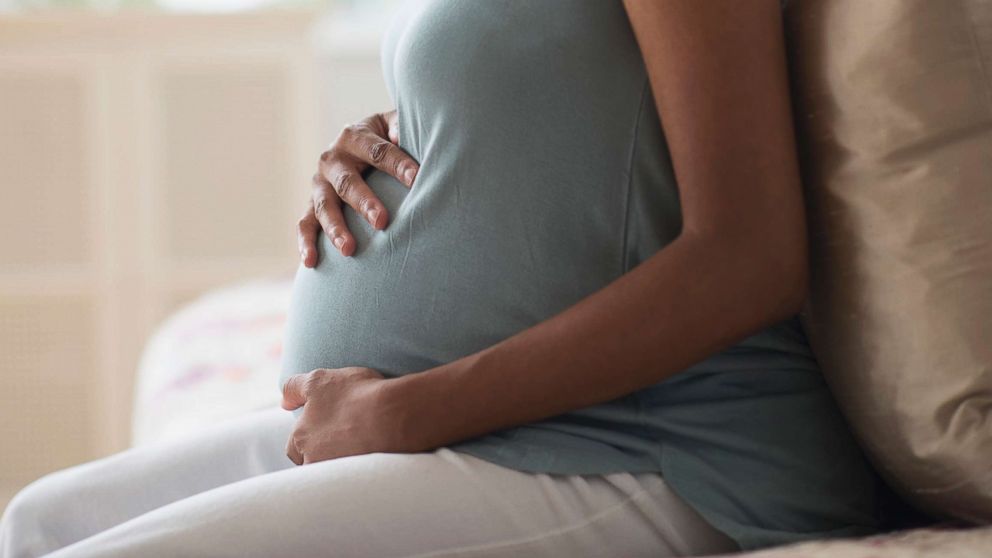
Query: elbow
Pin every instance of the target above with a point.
(796, 289)
(766, 274)
(785, 275)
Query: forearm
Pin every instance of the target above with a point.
(691, 299)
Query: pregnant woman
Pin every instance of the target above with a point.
(547, 308)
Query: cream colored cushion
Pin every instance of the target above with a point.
(893, 105)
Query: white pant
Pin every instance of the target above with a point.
(230, 490)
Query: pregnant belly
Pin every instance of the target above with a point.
(459, 268)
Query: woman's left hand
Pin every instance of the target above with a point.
(344, 413)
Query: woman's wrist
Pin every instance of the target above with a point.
(432, 408)
(411, 402)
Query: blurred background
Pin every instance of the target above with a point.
(152, 151)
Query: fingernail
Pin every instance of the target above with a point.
(408, 175)
(338, 242)
(373, 216)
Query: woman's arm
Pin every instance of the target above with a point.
(718, 73)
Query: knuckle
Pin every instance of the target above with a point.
(399, 165)
(349, 130)
(369, 121)
(297, 444)
(319, 204)
(378, 151)
(343, 183)
(309, 383)
(314, 380)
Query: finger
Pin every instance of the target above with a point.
(292, 452)
(350, 187)
(393, 123)
(294, 392)
(327, 211)
(368, 143)
(307, 229)
(387, 157)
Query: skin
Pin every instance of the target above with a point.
(718, 73)
(371, 142)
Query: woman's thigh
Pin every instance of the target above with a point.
(436, 504)
(75, 503)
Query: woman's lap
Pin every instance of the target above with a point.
(74, 503)
(231, 491)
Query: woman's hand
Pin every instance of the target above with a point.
(371, 142)
(344, 413)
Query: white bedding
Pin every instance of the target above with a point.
(215, 359)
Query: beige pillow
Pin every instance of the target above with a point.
(893, 106)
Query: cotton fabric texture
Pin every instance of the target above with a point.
(231, 492)
(545, 176)
(893, 102)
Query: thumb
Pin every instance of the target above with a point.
(293, 392)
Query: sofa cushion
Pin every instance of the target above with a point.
(893, 105)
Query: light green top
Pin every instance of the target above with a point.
(545, 176)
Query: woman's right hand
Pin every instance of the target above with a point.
(371, 142)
